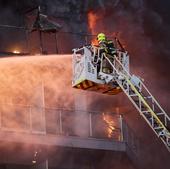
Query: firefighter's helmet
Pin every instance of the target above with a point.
(101, 37)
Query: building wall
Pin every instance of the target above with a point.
(39, 81)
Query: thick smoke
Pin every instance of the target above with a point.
(39, 87)
(142, 27)
(33, 82)
(131, 22)
(36, 86)
(143, 30)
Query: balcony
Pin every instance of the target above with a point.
(61, 127)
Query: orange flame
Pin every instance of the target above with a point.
(110, 124)
(16, 52)
(92, 21)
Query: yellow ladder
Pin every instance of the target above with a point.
(141, 98)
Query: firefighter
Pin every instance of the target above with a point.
(107, 47)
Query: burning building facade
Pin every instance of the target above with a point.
(45, 123)
(37, 98)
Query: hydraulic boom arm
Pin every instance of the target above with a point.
(110, 74)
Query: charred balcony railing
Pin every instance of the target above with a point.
(60, 121)
(107, 130)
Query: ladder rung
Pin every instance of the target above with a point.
(147, 97)
(160, 114)
(133, 95)
(157, 128)
(146, 111)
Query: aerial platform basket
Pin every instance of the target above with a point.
(96, 70)
(86, 73)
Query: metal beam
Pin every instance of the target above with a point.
(65, 141)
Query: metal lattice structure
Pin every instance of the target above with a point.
(97, 71)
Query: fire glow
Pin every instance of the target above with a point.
(16, 52)
(110, 124)
(92, 21)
